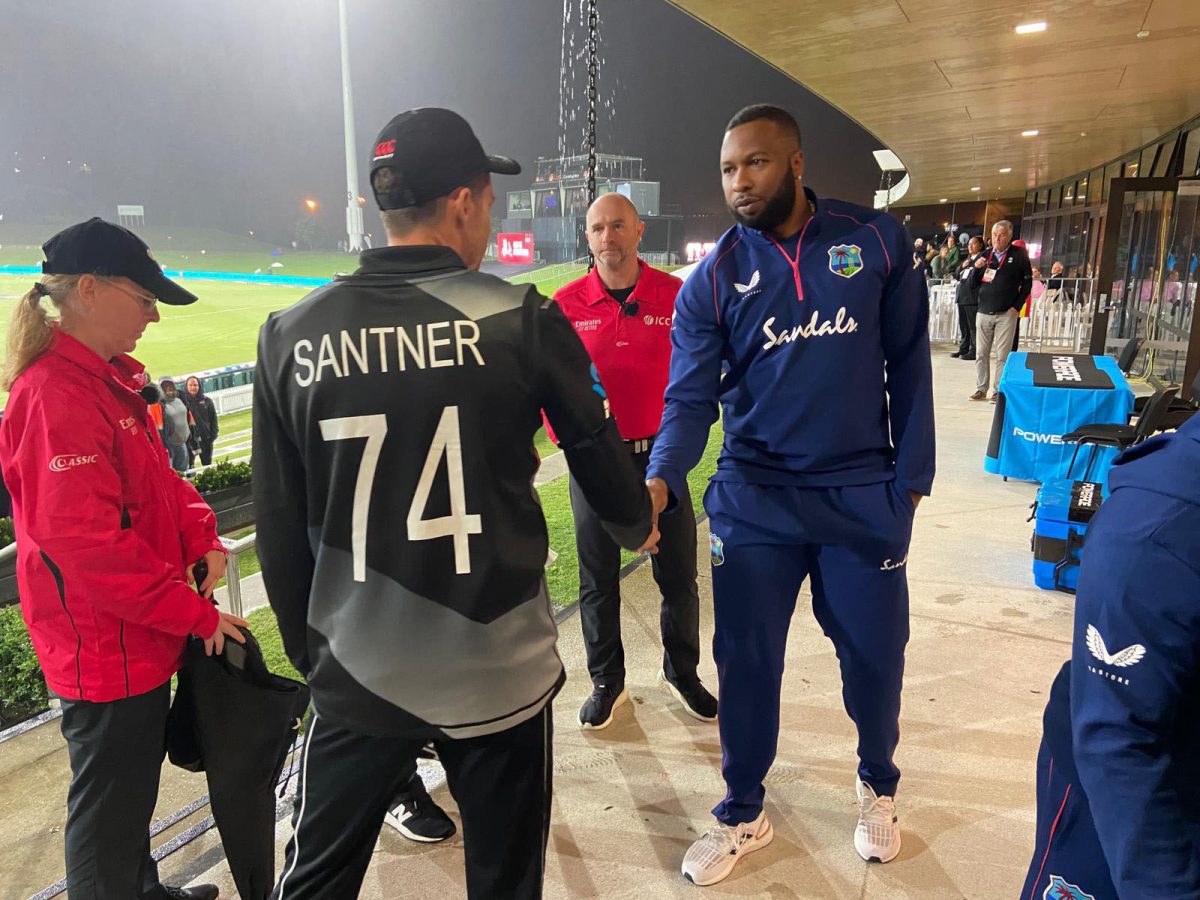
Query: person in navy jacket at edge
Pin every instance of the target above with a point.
(818, 318)
(1118, 811)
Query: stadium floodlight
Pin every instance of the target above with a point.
(354, 203)
(312, 204)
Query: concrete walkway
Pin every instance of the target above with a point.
(629, 800)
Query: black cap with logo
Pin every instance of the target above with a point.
(430, 151)
(96, 247)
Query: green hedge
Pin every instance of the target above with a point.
(7, 535)
(22, 687)
(222, 475)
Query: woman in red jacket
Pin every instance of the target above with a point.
(107, 538)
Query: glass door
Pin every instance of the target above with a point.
(1149, 269)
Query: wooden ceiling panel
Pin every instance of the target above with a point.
(950, 88)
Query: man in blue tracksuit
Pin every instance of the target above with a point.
(1118, 798)
(815, 314)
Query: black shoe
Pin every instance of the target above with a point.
(956, 355)
(417, 817)
(597, 710)
(970, 356)
(697, 701)
(197, 892)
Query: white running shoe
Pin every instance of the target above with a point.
(713, 857)
(877, 837)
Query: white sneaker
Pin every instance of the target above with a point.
(713, 857)
(877, 837)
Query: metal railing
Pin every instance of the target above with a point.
(233, 569)
(1060, 317)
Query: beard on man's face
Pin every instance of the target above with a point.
(775, 209)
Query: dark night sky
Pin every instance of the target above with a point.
(227, 113)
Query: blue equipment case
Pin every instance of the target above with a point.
(1062, 511)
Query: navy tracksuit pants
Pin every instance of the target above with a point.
(1068, 863)
(852, 543)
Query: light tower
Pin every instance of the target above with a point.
(354, 213)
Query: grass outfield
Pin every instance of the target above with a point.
(220, 330)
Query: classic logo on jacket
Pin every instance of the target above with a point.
(1060, 889)
(842, 323)
(845, 260)
(65, 462)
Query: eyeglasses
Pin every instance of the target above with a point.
(148, 303)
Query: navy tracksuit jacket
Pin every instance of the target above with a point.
(817, 350)
(1118, 797)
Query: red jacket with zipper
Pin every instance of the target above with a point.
(105, 528)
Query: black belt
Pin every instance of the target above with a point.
(641, 446)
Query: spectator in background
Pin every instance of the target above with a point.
(967, 298)
(176, 426)
(1005, 281)
(953, 257)
(939, 266)
(204, 419)
(921, 263)
(1058, 284)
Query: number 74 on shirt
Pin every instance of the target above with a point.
(447, 441)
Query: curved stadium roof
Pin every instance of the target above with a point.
(950, 86)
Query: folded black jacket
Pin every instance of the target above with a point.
(234, 720)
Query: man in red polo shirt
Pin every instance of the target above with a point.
(622, 311)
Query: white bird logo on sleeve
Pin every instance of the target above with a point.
(1130, 656)
(744, 288)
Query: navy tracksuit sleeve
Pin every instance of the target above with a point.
(905, 325)
(1123, 730)
(697, 347)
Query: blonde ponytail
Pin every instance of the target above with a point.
(31, 327)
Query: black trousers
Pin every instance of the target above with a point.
(501, 782)
(966, 325)
(204, 450)
(116, 752)
(674, 570)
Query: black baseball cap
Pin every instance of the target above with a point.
(431, 152)
(96, 247)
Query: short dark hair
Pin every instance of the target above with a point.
(402, 221)
(771, 113)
